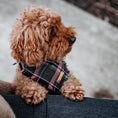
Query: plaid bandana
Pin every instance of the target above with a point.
(49, 74)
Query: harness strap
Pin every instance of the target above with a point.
(54, 78)
(37, 72)
(51, 75)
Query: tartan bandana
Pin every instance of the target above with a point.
(49, 74)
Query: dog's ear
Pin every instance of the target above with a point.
(26, 43)
(17, 41)
(29, 36)
(33, 46)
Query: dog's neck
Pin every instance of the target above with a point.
(50, 74)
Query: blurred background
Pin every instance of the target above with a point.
(94, 58)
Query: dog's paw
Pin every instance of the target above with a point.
(33, 95)
(73, 92)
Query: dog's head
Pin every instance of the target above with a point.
(40, 35)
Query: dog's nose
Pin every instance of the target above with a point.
(72, 40)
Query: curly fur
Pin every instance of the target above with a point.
(40, 35)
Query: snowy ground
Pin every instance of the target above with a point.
(94, 58)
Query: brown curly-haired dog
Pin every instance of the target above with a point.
(40, 35)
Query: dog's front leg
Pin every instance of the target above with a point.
(72, 89)
(32, 92)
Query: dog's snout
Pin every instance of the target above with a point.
(72, 40)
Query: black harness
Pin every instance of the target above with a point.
(49, 74)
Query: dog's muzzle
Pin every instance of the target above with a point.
(72, 40)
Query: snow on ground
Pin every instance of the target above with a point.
(94, 58)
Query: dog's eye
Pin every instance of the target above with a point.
(52, 33)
